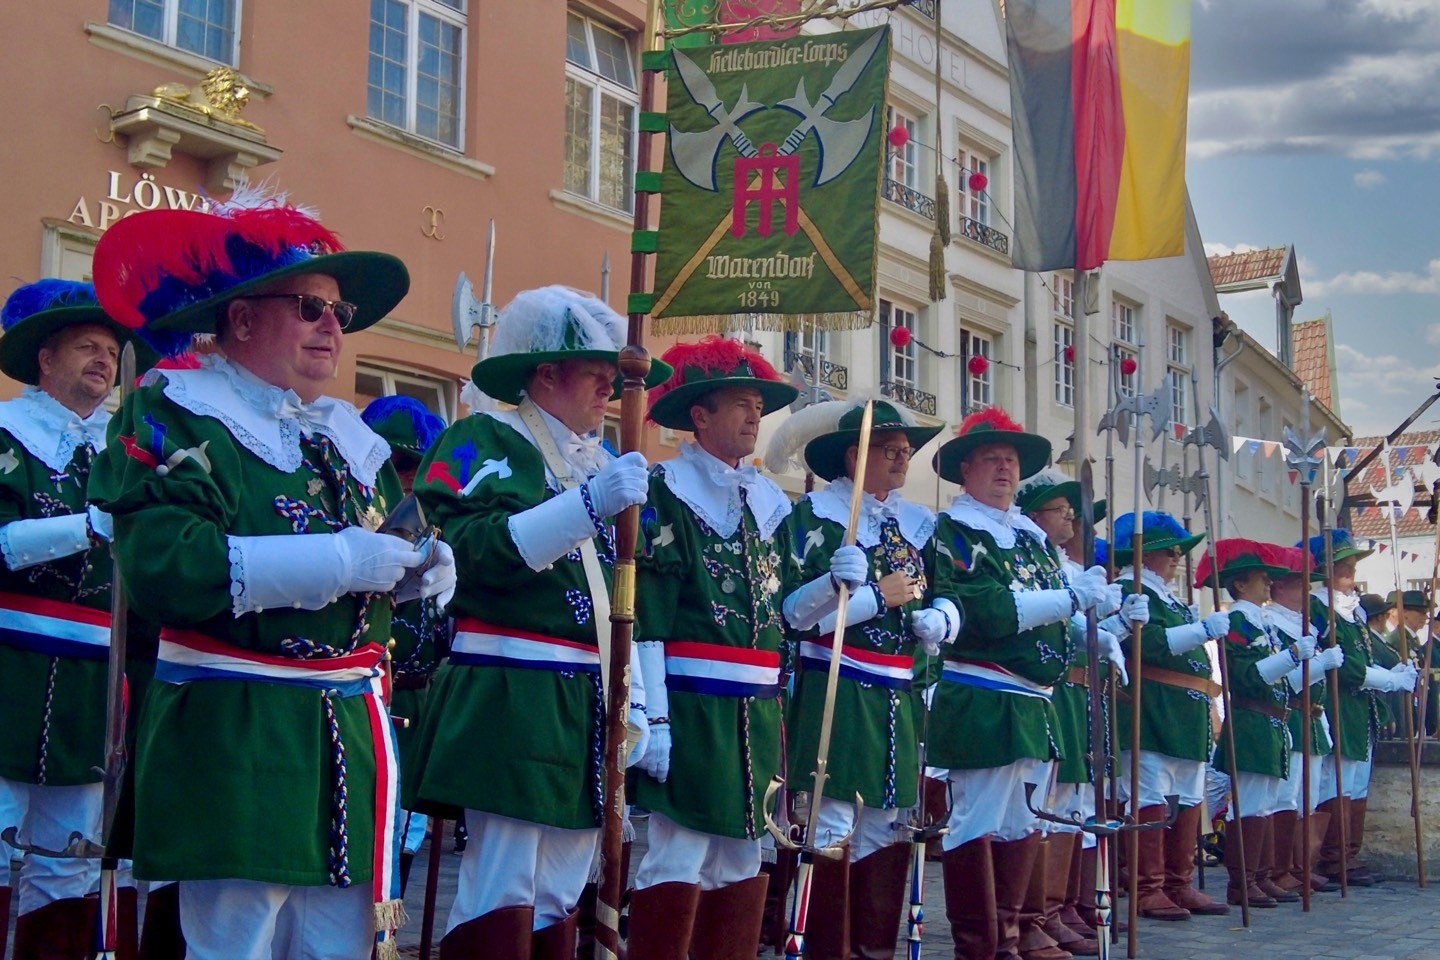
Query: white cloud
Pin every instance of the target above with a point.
(1369, 179)
(1373, 282)
(1368, 374)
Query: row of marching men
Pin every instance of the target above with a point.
(243, 507)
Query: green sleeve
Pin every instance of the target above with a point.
(1153, 643)
(968, 570)
(1383, 652)
(663, 562)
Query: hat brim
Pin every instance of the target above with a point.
(503, 377)
(374, 282)
(825, 455)
(672, 409)
(20, 345)
(1345, 553)
(1186, 544)
(1033, 450)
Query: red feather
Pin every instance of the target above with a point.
(710, 354)
(996, 418)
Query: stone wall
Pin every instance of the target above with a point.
(1389, 828)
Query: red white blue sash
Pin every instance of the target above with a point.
(53, 627)
(719, 671)
(480, 644)
(892, 671)
(990, 676)
(186, 655)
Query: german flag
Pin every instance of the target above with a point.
(1098, 92)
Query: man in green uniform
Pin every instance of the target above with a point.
(245, 503)
(1259, 663)
(419, 633)
(715, 553)
(54, 609)
(856, 901)
(514, 727)
(1412, 611)
(1176, 736)
(1361, 681)
(993, 725)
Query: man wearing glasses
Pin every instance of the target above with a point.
(856, 901)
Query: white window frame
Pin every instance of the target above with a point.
(902, 315)
(389, 377)
(601, 86)
(1244, 459)
(980, 390)
(1062, 294)
(170, 12)
(1064, 337)
(975, 204)
(903, 165)
(1124, 323)
(450, 16)
(1177, 356)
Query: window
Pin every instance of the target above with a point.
(203, 27)
(807, 348)
(974, 203)
(1062, 294)
(904, 370)
(904, 166)
(601, 104)
(1122, 316)
(1243, 459)
(1064, 345)
(980, 391)
(1177, 357)
(417, 62)
(1265, 425)
(437, 393)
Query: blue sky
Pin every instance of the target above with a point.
(1317, 123)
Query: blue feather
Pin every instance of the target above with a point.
(1340, 537)
(428, 427)
(1155, 520)
(45, 295)
(1102, 551)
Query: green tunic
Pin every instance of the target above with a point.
(54, 721)
(694, 585)
(976, 728)
(1174, 721)
(1262, 742)
(874, 740)
(514, 741)
(1319, 738)
(421, 637)
(262, 756)
(1359, 719)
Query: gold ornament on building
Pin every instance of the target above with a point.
(221, 95)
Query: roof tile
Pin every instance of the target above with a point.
(1247, 266)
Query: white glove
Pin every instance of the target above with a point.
(1035, 608)
(1331, 658)
(1388, 681)
(1135, 609)
(1186, 637)
(1304, 648)
(27, 543)
(1114, 599)
(311, 571)
(1405, 676)
(437, 582)
(850, 566)
(1110, 650)
(101, 523)
(548, 531)
(929, 628)
(656, 760)
(624, 482)
(374, 562)
(1090, 587)
(1216, 625)
(1275, 667)
(637, 720)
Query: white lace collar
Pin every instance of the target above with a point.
(1284, 619)
(1000, 524)
(50, 431)
(1250, 611)
(585, 455)
(1347, 605)
(1150, 579)
(917, 524)
(711, 488)
(270, 421)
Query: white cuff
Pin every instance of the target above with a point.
(809, 604)
(863, 605)
(1379, 679)
(26, 543)
(651, 656)
(956, 619)
(303, 571)
(1276, 666)
(639, 690)
(1035, 608)
(546, 533)
(1186, 637)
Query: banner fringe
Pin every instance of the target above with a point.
(774, 322)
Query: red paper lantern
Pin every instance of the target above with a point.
(978, 182)
(899, 136)
(977, 365)
(1128, 366)
(1069, 354)
(900, 337)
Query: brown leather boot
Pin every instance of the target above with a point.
(969, 873)
(777, 899)
(1264, 877)
(1283, 824)
(1242, 870)
(727, 921)
(1084, 908)
(1058, 869)
(1179, 853)
(1360, 875)
(1327, 862)
(1069, 908)
(1014, 862)
(827, 923)
(661, 920)
(160, 936)
(502, 934)
(5, 893)
(1319, 825)
(127, 932)
(877, 899)
(557, 941)
(60, 930)
(1149, 867)
(1034, 943)
(589, 898)
(936, 796)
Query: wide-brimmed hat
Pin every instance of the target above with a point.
(825, 453)
(989, 427)
(168, 274)
(1236, 556)
(1161, 532)
(712, 364)
(1409, 599)
(406, 424)
(1047, 485)
(1343, 546)
(551, 325)
(1293, 560)
(1375, 605)
(37, 311)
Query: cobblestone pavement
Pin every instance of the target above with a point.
(1393, 921)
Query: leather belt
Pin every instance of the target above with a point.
(1276, 711)
(410, 681)
(1079, 676)
(1185, 681)
(1316, 709)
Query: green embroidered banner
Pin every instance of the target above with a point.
(771, 183)
(690, 13)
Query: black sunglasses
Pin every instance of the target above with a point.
(312, 308)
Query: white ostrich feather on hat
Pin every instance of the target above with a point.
(254, 196)
(1049, 477)
(556, 318)
(786, 449)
